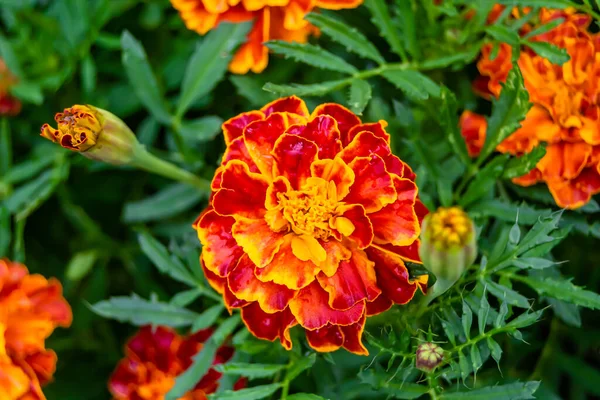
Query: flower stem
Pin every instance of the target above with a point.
(144, 160)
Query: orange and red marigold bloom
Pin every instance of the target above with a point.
(273, 20)
(9, 105)
(31, 307)
(310, 222)
(565, 113)
(154, 357)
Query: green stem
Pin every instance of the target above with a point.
(285, 389)
(432, 382)
(144, 160)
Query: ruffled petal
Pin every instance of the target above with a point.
(364, 145)
(324, 132)
(373, 187)
(215, 281)
(220, 251)
(311, 309)
(564, 160)
(269, 326)
(326, 339)
(392, 275)
(259, 242)
(242, 192)
(353, 337)
(362, 229)
(293, 157)
(338, 4)
(578, 192)
(234, 127)
(376, 128)
(345, 118)
(397, 223)
(252, 55)
(336, 171)
(244, 285)
(353, 282)
(336, 252)
(236, 150)
(292, 104)
(379, 305)
(260, 138)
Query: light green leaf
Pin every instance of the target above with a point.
(9, 56)
(533, 262)
(300, 365)
(547, 27)
(413, 83)
(563, 290)
(28, 92)
(506, 211)
(142, 78)
(519, 166)
(476, 361)
(354, 41)
(314, 89)
(170, 201)
(526, 319)
(208, 64)
(207, 318)
(464, 57)
(467, 319)
(139, 311)
(511, 391)
(360, 94)
(538, 234)
(170, 265)
(311, 55)
(29, 168)
(254, 393)
(201, 129)
(503, 34)
(80, 265)
(567, 312)
(501, 318)
(495, 350)
(552, 53)
(507, 113)
(504, 293)
(250, 371)
(185, 298)
(381, 18)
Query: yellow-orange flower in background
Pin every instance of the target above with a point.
(154, 357)
(9, 106)
(273, 20)
(310, 222)
(31, 307)
(565, 113)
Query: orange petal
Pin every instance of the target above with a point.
(324, 132)
(362, 234)
(43, 365)
(353, 337)
(234, 128)
(364, 145)
(292, 104)
(338, 4)
(307, 248)
(396, 166)
(326, 339)
(353, 282)
(236, 150)
(376, 128)
(530, 178)
(280, 185)
(286, 269)
(242, 192)
(14, 382)
(373, 187)
(220, 251)
(345, 118)
(392, 275)
(257, 239)
(397, 223)
(216, 282)
(293, 156)
(578, 192)
(260, 138)
(336, 252)
(269, 326)
(311, 309)
(244, 285)
(216, 6)
(336, 171)
(473, 127)
(564, 160)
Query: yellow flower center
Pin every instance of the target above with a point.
(308, 213)
(449, 227)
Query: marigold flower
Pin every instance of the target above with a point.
(565, 113)
(154, 357)
(31, 307)
(310, 221)
(429, 356)
(9, 105)
(273, 20)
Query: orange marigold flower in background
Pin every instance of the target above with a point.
(31, 307)
(273, 20)
(310, 222)
(9, 106)
(565, 113)
(154, 357)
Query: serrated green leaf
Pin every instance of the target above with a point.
(519, 166)
(167, 264)
(139, 312)
(407, 19)
(413, 83)
(511, 391)
(484, 181)
(476, 361)
(500, 319)
(202, 361)
(464, 57)
(544, 28)
(381, 381)
(533, 262)
(201, 129)
(507, 112)
(447, 327)
(354, 40)
(311, 55)
(504, 293)
(526, 319)
(314, 89)
(467, 319)
(503, 34)
(207, 318)
(381, 18)
(538, 234)
(449, 122)
(250, 371)
(506, 211)
(300, 365)
(563, 290)
(208, 64)
(495, 350)
(465, 369)
(483, 314)
(552, 53)
(254, 393)
(360, 94)
(142, 78)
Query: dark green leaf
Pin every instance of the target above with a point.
(563, 290)
(500, 319)
(254, 393)
(381, 18)
(547, 27)
(413, 83)
(508, 212)
(407, 19)
(467, 319)
(495, 350)
(300, 365)
(511, 391)
(5, 231)
(539, 3)
(533, 262)
(484, 181)
(483, 314)
(360, 94)
(519, 166)
(568, 313)
(476, 361)
(584, 375)
(170, 201)
(457, 58)
(251, 89)
(5, 148)
(311, 55)
(506, 294)
(28, 92)
(538, 234)
(208, 64)
(250, 371)
(305, 396)
(449, 122)
(207, 318)
(201, 129)
(350, 37)
(526, 319)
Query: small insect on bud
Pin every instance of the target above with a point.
(429, 356)
(95, 133)
(448, 244)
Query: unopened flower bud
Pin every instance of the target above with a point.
(429, 356)
(95, 133)
(448, 244)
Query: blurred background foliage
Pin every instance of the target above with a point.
(79, 220)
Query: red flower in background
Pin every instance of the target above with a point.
(155, 357)
(310, 222)
(9, 105)
(31, 307)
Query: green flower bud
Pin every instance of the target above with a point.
(429, 356)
